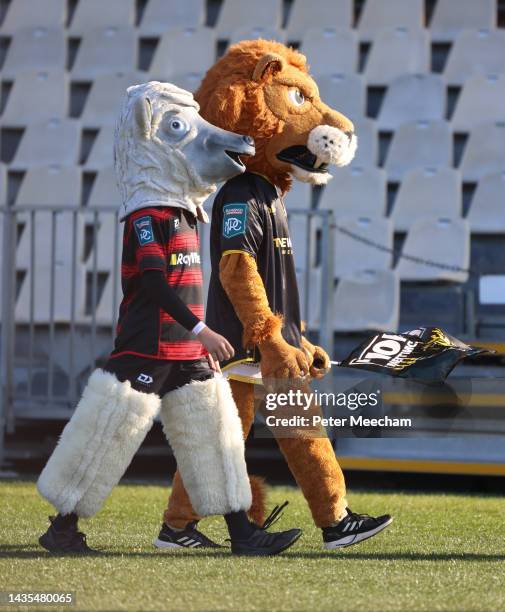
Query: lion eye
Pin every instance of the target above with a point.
(296, 96)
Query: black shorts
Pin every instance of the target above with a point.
(157, 375)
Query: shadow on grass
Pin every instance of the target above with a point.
(32, 551)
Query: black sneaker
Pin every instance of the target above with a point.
(261, 543)
(189, 537)
(354, 528)
(65, 541)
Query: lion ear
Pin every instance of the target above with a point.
(143, 114)
(269, 64)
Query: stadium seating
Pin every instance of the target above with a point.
(267, 13)
(419, 143)
(54, 141)
(368, 145)
(331, 50)
(380, 14)
(413, 97)
(475, 52)
(367, 299)
(487, 210)
(427, 192)
(450, 17)
(20, 14)
(3, 186)
(183, 51)
(449, 246)
(299, 196)
(101, 153)
(481, 101)
(37, 96)
(55, 185)
(105, 51)
(353, 249)
(251, 32)
(360, 191)
(161, 15)
(484, 152)
(105, 96)
(91, 14)
(317, 13)
(104, 192)
(396, 52)
(345, 92)
(35, 49)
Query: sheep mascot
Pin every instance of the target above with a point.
(263, 89)
(168, 160)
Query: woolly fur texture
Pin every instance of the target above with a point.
(97, 444)
(201, 423)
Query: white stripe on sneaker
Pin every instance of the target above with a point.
(359, 537)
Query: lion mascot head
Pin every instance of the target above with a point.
(263, 89)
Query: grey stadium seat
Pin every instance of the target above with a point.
(368, 143)
(161, 15)
(475, 52)
(104, 51)
(484, 152)
(487, 210)
(452, 16)
(105, 96)
(367, 300)
(396, 52)
(104, 192)
(51, 186)
(3, 187)
(411, 97)
(481, 101)
(182, 51)
(101, 153)
(379, 14)
(356, 191)
(443, 241)
(427, 192)
(419, 143)
(344, 92)
(91, 14)
(330, 50)
(27, 14)
(55, 141)
(37, 96)
(237, 13)
(253, 32)
(352, 254)
(317, 13)
(190, 81)
(35, 49)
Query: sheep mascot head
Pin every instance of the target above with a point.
(166, 154)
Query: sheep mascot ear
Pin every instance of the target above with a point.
(143, 113)
(268, 65)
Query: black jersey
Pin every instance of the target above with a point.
(249, 216)
(166, 239)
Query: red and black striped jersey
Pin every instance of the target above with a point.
(166, 239)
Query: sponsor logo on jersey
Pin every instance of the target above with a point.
(145, 379)
(234, 220)
(144, 230)
(186, 259)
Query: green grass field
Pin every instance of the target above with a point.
(443, 552)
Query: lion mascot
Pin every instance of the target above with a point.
(263, 89)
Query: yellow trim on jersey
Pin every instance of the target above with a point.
(234, 363)
(262, 176)
(231, 251)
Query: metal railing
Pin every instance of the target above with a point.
(58, 311)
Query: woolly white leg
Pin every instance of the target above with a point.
(202, 425)
(97, 444)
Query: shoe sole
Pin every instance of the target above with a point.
(355, 539)
(60, 551)
(263, 553)
(162, 544)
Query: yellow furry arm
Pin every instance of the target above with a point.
(244, 287)
(318, 358)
